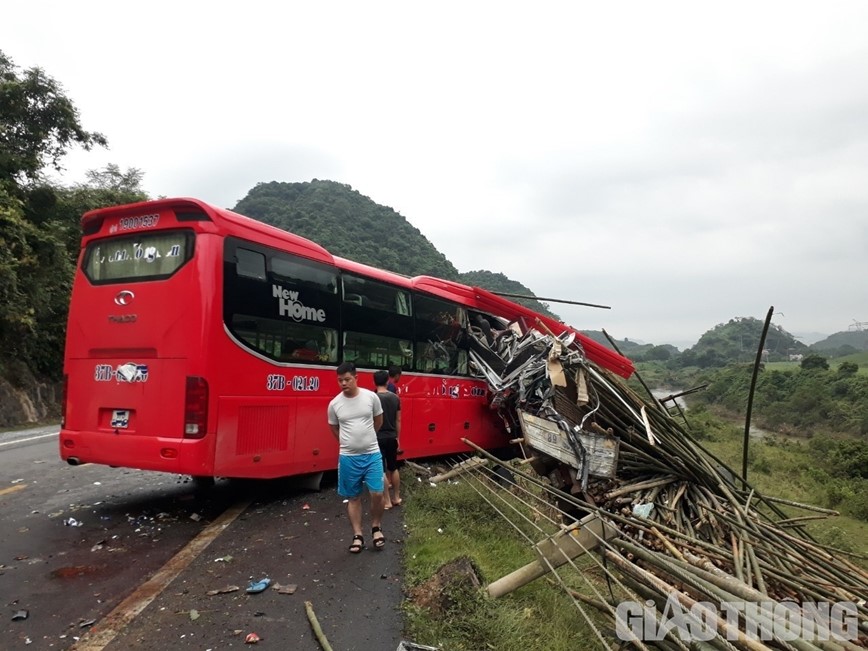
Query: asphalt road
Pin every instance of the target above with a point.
(94, 558)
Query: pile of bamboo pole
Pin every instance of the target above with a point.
(688, 527)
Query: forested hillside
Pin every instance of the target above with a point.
(348, 224)
(351, 225)
(843, 343)
(737, 341)
(40, 234)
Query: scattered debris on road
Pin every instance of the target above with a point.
(256, 587)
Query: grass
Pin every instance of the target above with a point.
(860, 359)
(451, 520)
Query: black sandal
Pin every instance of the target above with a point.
(358, 544)
(380, 542)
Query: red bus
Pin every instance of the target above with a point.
(204, 343)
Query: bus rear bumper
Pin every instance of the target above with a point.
(163, 454)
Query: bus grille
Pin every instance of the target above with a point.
(262, 429)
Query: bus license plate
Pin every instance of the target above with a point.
(121, 418)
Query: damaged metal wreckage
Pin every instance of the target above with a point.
(667, 520)
(541, 386)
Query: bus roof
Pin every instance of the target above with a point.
(373, 272)
(221, 221)
(486, 301)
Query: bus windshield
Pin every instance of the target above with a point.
(143, 256)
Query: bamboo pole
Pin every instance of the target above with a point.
(807, 507)
(317, 629)
(464, 466)
(751, 392)
(555, 551)
(727, 631)
(690, 576)
(698, 510)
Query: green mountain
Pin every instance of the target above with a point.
(842, 343)
(348, 224)
(738, 340)
(627, 347)
(351, 225)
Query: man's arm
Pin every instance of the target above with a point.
(378, 422)
(331, 415)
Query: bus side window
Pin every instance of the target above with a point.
(440, 336)
(249, 264)
(402, 303)
(329, 348)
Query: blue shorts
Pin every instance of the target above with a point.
(357, 471)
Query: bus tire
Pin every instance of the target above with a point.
(504, 477)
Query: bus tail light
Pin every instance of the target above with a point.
(196, 408)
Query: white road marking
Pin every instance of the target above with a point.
(32, 438)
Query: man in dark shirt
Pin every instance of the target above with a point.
(394, 378)
(387, 437)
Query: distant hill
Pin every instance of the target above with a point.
(348, 224)
(626, 346)
(353, 226)
(737, 341)
(842, 343)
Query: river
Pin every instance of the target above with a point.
(754, 432)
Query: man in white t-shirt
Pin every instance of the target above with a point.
(354, 416)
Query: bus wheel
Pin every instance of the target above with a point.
(504, 477)
(203, 483)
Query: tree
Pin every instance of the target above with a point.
(112, 178)
(814, 362)
(659, 353)
(34, 272)
(39, 245)
(39, 223)
(848, 368)
(38, 124)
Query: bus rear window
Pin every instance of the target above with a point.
(144, 256)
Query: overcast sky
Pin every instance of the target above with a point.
(682, 162)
